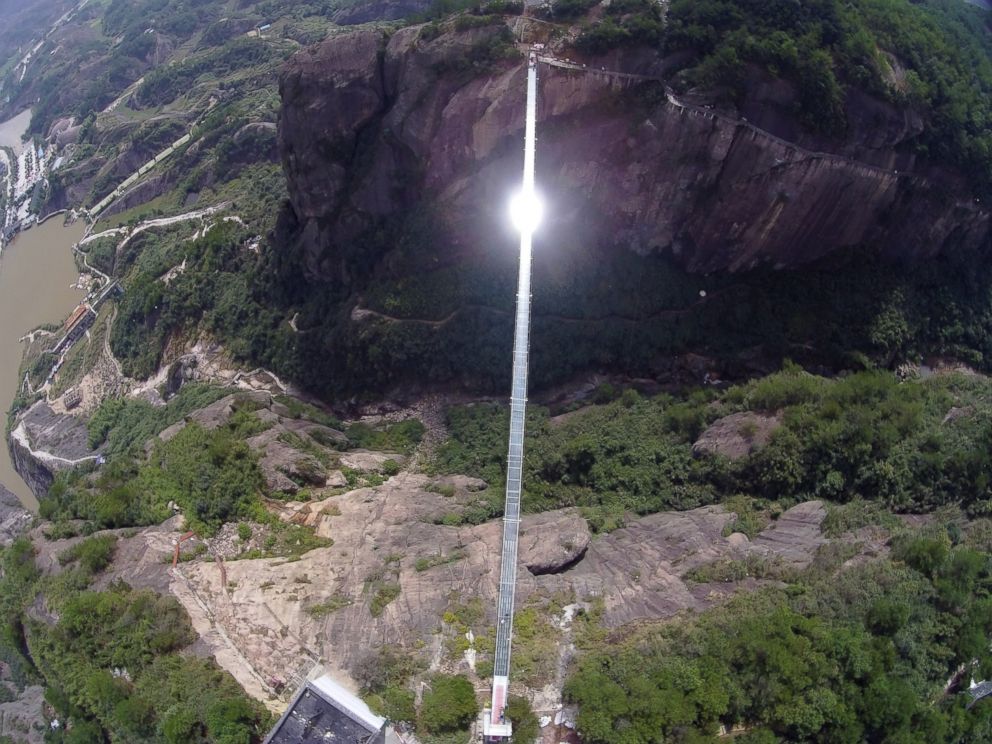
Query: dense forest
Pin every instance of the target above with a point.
(932, 56)
(911, 446)
(857, 655)
(158, 693)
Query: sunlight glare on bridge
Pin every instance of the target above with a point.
(526, 211)
(526, 214)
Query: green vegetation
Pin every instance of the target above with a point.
(383, 594)
(425, 563)
(860, 655)
(167, 83)
(283, 539)
(526, 726)
(113, 663)
(211, 291)
(534, 646)
(17, 590)
(333, 604)
(487, 50)
(399, 437)
(297, 409)
(93, 554)
(211, 475)
(866, 436)
(729, 570)
(125, 424)
(855, 515)
(384, 675)
(934, 56)
(449, 705)
(155, 694)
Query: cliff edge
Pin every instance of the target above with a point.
(373, 125)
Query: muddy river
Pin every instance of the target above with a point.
(36, 270)
(12, 129)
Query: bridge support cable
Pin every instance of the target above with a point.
(495, 724)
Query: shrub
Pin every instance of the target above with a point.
(398, 704)
(94, 553)
(384, 594)
(924, 554)
(333, 604)
(449, 705)
(526, 727)
(388, 666)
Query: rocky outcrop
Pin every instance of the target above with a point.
(23, 718)
(373, 125)
(14, 518)
(552, 543)
(293, 453)
(378, 10)
(44, 442)
(737, 435)
(270, 609)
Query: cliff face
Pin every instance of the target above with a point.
(14, 518)
(372, 126)
(44, 443)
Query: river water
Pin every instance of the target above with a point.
(12, 129)
(36, 270)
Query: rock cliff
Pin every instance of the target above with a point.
(14, 518)
(373, 125)
(44, 442)
(270, 609)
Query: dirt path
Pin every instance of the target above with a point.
(360, 313)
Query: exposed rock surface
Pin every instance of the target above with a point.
(795, 535)
(142, 559)
(263, 614)
(372, 125)
(23, 719)
(14, 518)
(372, 462)
(553, 542)
(737, 435)
(44, 442)
(293, 453)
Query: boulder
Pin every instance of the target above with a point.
(369, 462)
(737, 435)
(553, 542)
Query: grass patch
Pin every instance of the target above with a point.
(401, 437)
(737, 569)
(93, 554)
(425, 563)
(124, 424)
(384, 594)
(844, 518)
(334, 603)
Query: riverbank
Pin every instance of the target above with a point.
(26, 167)
(37, 271)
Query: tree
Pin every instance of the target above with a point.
(180, 724)
(449, 705)
(231, 721)
(526, 727)
(84, 732)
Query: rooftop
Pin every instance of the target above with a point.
(324, 711)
